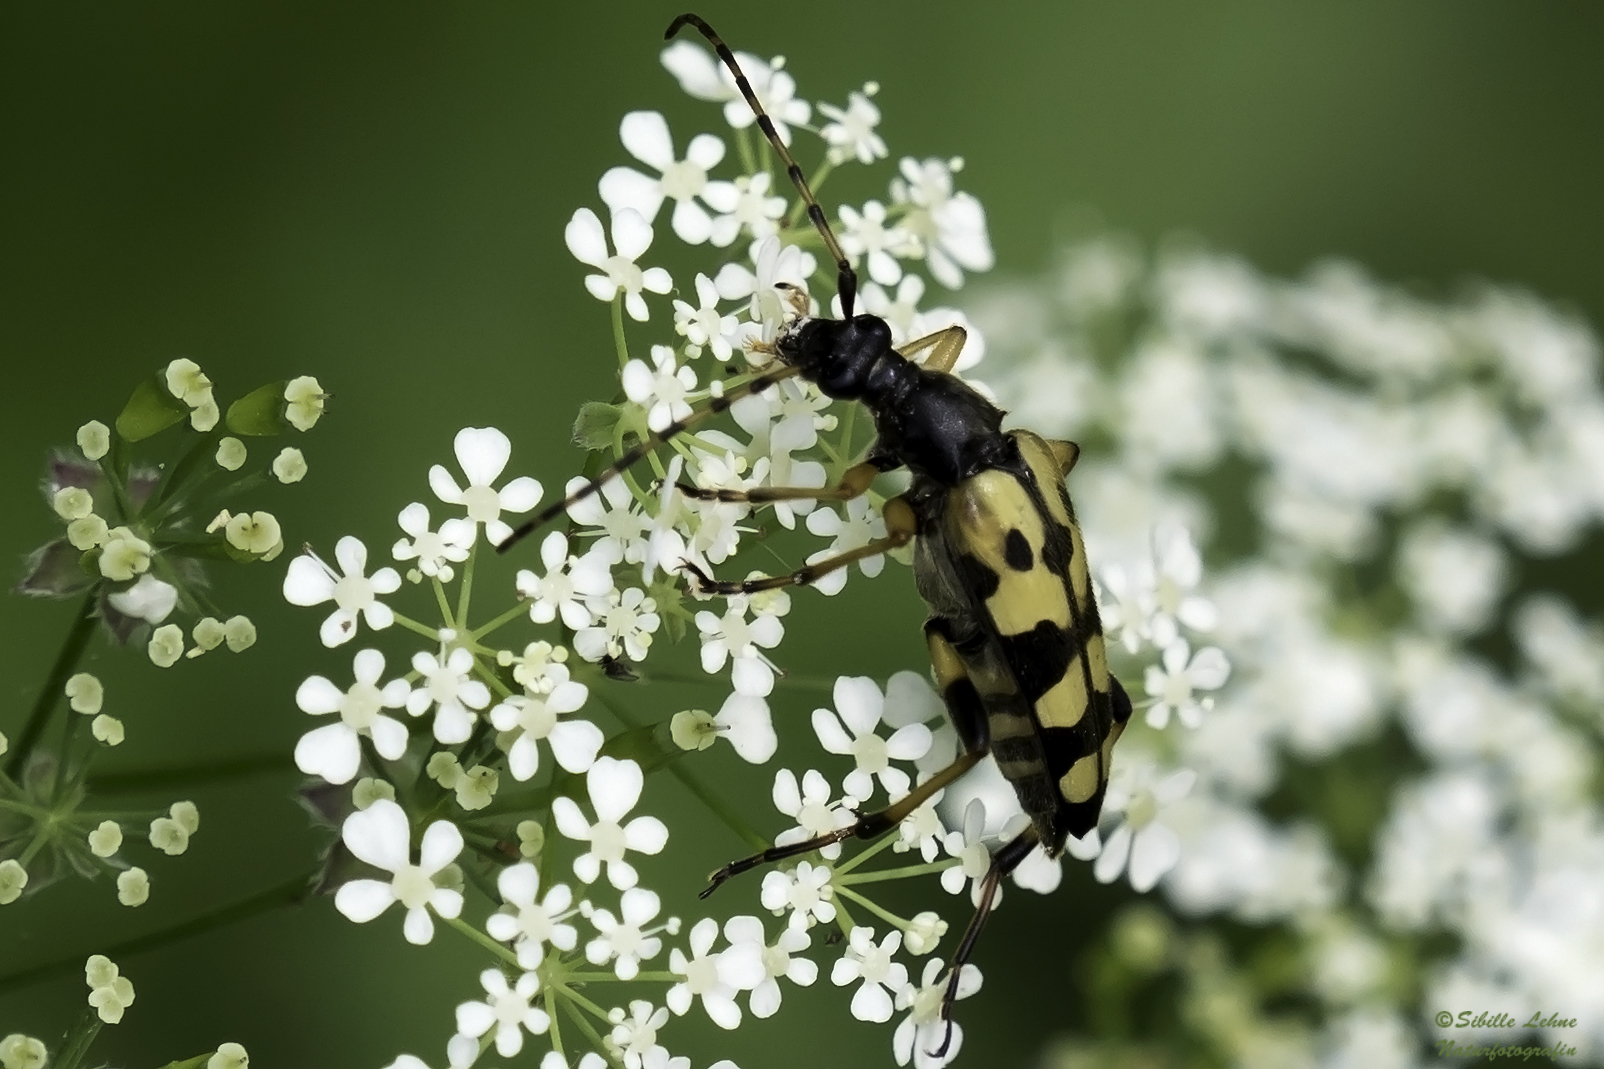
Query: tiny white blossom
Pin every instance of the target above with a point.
(645, 134)
(748, 725)
(381, 836)
(483, 453)
(714, 978)
(866, 234)
(703, 324)
(568, 582)
(106, 839)
(660, 388)
(435, 551)
(334, 751)
(731, 637)
(1152, 848)
(882, 978)
(506, 1009)
(446, 685)
(744, 205)
(625, 623)
(923, 1031)
(124, 555)
(625, 940)
(811, 808)
(859, 704)
(858, 528)
(970, 846)
(527, 924)
(805, 891)
(774, 263)
(110, 994)
(1178, 568)
(703, 77)
(952, 226)
(18, 1051)
(1173, 684)
(622, 526)
(85, 693)
(614, 787)
(133, 887)
(632, 236)
(850, 132)
(634, 1038)
(779, 959)
(311, 582)
(533, 716)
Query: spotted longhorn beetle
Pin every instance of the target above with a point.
(1015, 642)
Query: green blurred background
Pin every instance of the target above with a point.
(375, 195)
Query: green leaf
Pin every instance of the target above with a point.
(596, 424)
(151, 410)
(642, 746)
(260, 412)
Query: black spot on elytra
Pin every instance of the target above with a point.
(1016, 551)
(1057, 550)
(1039, 657)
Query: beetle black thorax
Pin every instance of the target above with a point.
(930, 421)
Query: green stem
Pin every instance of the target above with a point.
(902, 873)
(582, 1001)
(482, 939)
(609, 978)
(571, 1001)
(78, 1041)
(287, 893)
(556, 1029)
(465, 592)
(505, 618)
(885, 915)
(618, 329)
(72, 648)
(859, 858)
(445, 605)
(422, 629)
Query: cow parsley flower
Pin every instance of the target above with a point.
(1173, 684)
(381, 836)
(779, 959)
(1152, 848)
(527, 924)
(806, 891)
(811, 808)
(851, 131)
(435, 551)
(634, 1038)
(744, 205)
(334, 751)
(703, 325)
(866, 234)
(483, 453)
(703, 77)
(661, 389)
(857, 528)
(871, 963)
(626, 941)
(632, 236)
(952, 226)
(569, 581)
(110, 994)
(645, 134)
(731, 637)
(859, 704)
(614, 787)
(506, 1009)
(532, 717)
(625, 623)
(311, 582)
(923, 1031)
(714, 978)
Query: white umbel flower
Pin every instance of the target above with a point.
(1151, 848)
(1173, 684)
(624, 624)
(923, 1031)
(732, 638)
(704, 78)
(713, 978)
(871, 963)
(568, 582)
(626, 941)
(614, 787)
(634, 1038)
(527, 924)
(645, 134)
(805, 891)
(334, 750)
(533, 717)
(860, 526)
(632, 236)
(811, 808)
(778, 959)
(661, 387)
(381, 836)
(506, 1009)
(446, 685)
(860, 704)
(311, 582)
(483, 453)
(435, 551)
(850, 132)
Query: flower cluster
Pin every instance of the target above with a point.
(1377, 796)
(496, 771)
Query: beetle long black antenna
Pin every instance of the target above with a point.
(846, 278)
(639, 451)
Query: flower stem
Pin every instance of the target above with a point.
(72, 648)
(78, 1041)
(505, 618)
(863, 855)
(556, 1029)
(482, 939)
(570, 1004)
(441, 600)
(608, 978)
(885, 915)
(288, 893)
(465, 592)
(584, 1003)
(618, 329)
(422, 629)
(903, 873)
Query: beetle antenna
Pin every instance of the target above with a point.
(846, 278)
